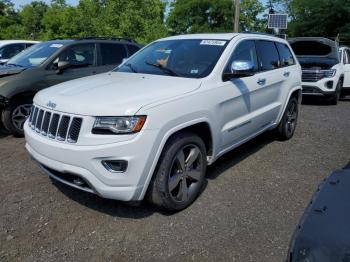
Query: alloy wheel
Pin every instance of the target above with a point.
(292, 115)
(185, 173)
(20, 114)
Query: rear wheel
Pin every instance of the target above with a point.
(180, 173)
(14, 116)
(285, 129)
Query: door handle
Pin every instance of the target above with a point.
(262, 81)
(286, 74)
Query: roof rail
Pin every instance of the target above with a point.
(106, 38)
(96, 38)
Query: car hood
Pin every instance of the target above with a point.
(6, 70)
(113, 93)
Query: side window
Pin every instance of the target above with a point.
(112, 54)
(268, 55)
(245, 51)
(82, 55)
(11, 50)
(286, 57)
(132, 49)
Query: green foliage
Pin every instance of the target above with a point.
(318, 17)
(196, 16)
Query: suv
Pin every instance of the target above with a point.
(323, 72)
(345, 59)
(50, 63)
(151, 126)
(10, 48)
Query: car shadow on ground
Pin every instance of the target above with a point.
(143, 209)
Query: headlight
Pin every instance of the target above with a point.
(118, 125)
(330, 72)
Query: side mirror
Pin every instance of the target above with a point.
(240, 68)
(62, 65)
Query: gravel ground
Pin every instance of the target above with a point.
(248, 211)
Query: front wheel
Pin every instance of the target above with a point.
(336, 96)
(14, 116)
(285, 129)
(180, 173)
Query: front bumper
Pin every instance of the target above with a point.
(60, 160)
(324, 87)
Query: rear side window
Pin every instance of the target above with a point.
(268, 55)
(132, 49)
(286, 57)
(112, 54)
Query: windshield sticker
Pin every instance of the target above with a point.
(213, 42)
(56, 45)
(194, 71)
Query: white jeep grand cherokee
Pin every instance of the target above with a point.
(151, 126)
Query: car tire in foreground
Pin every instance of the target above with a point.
(14, 116)
(336, 96)
(180, 173)
(286, 128)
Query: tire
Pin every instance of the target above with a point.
(180, 173)
(3, 130)
(14, 116)
(336, 96)
(285, 129)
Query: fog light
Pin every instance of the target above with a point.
(329, 84)
(115, 166)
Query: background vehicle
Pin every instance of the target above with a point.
(164, 114)
(323, 72)
(50, 63)
(10, 48)
(345, 59)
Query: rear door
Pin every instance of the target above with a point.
(82, 59)
(346, 60)
(110, 56)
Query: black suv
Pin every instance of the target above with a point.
(49, 63)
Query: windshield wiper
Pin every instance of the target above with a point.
(164, 68)
(131, 67)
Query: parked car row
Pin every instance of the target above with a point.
(149, 128)
(325, 67)
(10, 48)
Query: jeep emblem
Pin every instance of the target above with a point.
(51, 104)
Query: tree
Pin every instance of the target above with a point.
(9, 20)
(318, 17)
(32, 19)
(196, 16)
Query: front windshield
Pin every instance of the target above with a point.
(192, 58)
(35, 55)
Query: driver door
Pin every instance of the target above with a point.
(82, 62)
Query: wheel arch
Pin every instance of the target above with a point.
(201, 127)
(295, 92)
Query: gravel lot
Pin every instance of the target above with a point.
(253, 200)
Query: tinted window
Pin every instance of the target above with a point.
(78, 55)
(132, 49)
(29, 45)
(245, 51)
(192, 58)
(286, 57)
(112, 54)
(268, 55)
(11, 50)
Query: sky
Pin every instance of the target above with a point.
(19, 3)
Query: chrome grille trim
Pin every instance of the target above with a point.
(312, 75)
(54, 125)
